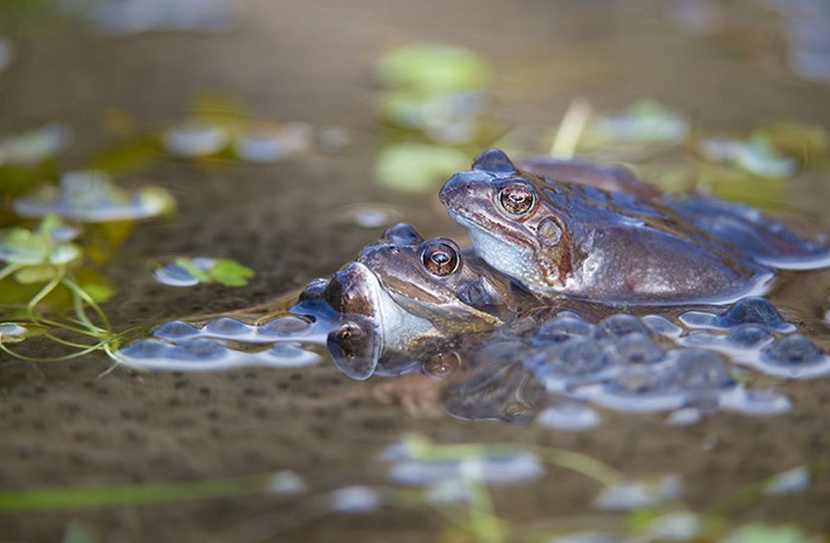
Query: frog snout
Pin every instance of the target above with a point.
(456, 188)
(349, 291)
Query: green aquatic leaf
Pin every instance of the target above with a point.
(756, 155)
(760, 157)
(158, 199)
(645, 122)
(432, 68)
(24, 247)
(230, 273)
(99, 292)
(194, 271)
(36, 274)
(14, 296)
(765, 533)
(414, 167)
(51, 224)
(443, 118)
(91, 196)
(35, 146)
(225, 272)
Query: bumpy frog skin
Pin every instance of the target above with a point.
(630, 246)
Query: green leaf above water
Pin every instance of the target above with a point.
(756, 155)
(760, 157)
(99, 293)
(645, 122)
(230, 273)
(412, 167)
(20, 246)
(91, 196)
(432, 68)
(225, 272)
(192, 269)
(37, 274)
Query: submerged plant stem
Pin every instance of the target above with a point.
(84, 296)
(43, 293)
(485, 525)
(581, 463)
(717, 518)
(9, 270)
(87, 349)
(93, 497)
(69, 327)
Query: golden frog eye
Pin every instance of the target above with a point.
(440, 258)
(517, 198)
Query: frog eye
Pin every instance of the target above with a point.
(442, 365)
(517, 198)
(440, 257)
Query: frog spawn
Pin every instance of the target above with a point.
(655, 363)
(225, 343)
(618, 364)
(753, 334)
(565, 365)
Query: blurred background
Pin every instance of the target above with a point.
(282, 137)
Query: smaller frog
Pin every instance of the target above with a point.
(404, 292)
(626, 246)
(436, 280)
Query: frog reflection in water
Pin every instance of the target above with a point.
(562, 233)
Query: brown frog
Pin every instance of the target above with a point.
(403, 293)
(563, 236)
